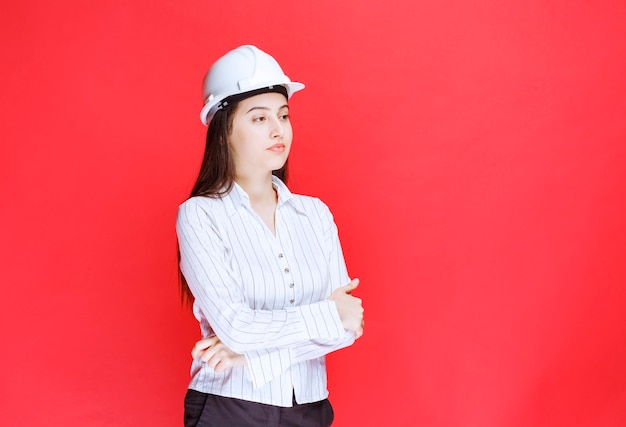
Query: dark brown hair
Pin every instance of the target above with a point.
(217, 172)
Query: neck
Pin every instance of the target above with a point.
(259, 189)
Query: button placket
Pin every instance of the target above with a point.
(282, 261)
(279, 247)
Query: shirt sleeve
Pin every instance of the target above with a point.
(221, 299)
(269, 363)
(336, 262)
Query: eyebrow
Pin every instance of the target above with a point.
(266, 108)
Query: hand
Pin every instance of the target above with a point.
(350, 308)
(219, 357)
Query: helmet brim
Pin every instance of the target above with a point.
(211, 106)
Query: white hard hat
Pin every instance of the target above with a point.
(244, 69)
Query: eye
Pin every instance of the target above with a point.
(259, 119)
(284, 117)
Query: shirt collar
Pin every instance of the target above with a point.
(239, 198)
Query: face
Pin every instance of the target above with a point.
(261, 134)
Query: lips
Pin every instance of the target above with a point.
(278, 148)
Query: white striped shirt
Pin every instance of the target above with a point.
(264, 295)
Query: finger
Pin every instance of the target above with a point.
(203, 345)
(197, 350)
(213, 360)
(351, 286)
(218, 359)
(222, 366)
(209, 354)
(199, 347)
(358, 333)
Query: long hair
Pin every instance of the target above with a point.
(217, 172)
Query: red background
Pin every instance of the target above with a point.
(473, 153)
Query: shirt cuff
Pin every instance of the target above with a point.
(321, 320)
(264, 365)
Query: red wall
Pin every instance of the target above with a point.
(473, 152)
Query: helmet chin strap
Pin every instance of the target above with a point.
(234, 99)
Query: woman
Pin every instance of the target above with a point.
(263, 266)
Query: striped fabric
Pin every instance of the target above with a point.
(264, 295)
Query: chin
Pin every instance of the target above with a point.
(274, 166)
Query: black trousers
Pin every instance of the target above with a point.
(209, 410)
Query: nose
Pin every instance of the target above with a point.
(278, 130)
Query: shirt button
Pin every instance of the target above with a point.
(286, 270)
(291, 300)
(291, 285)
(280, 255)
